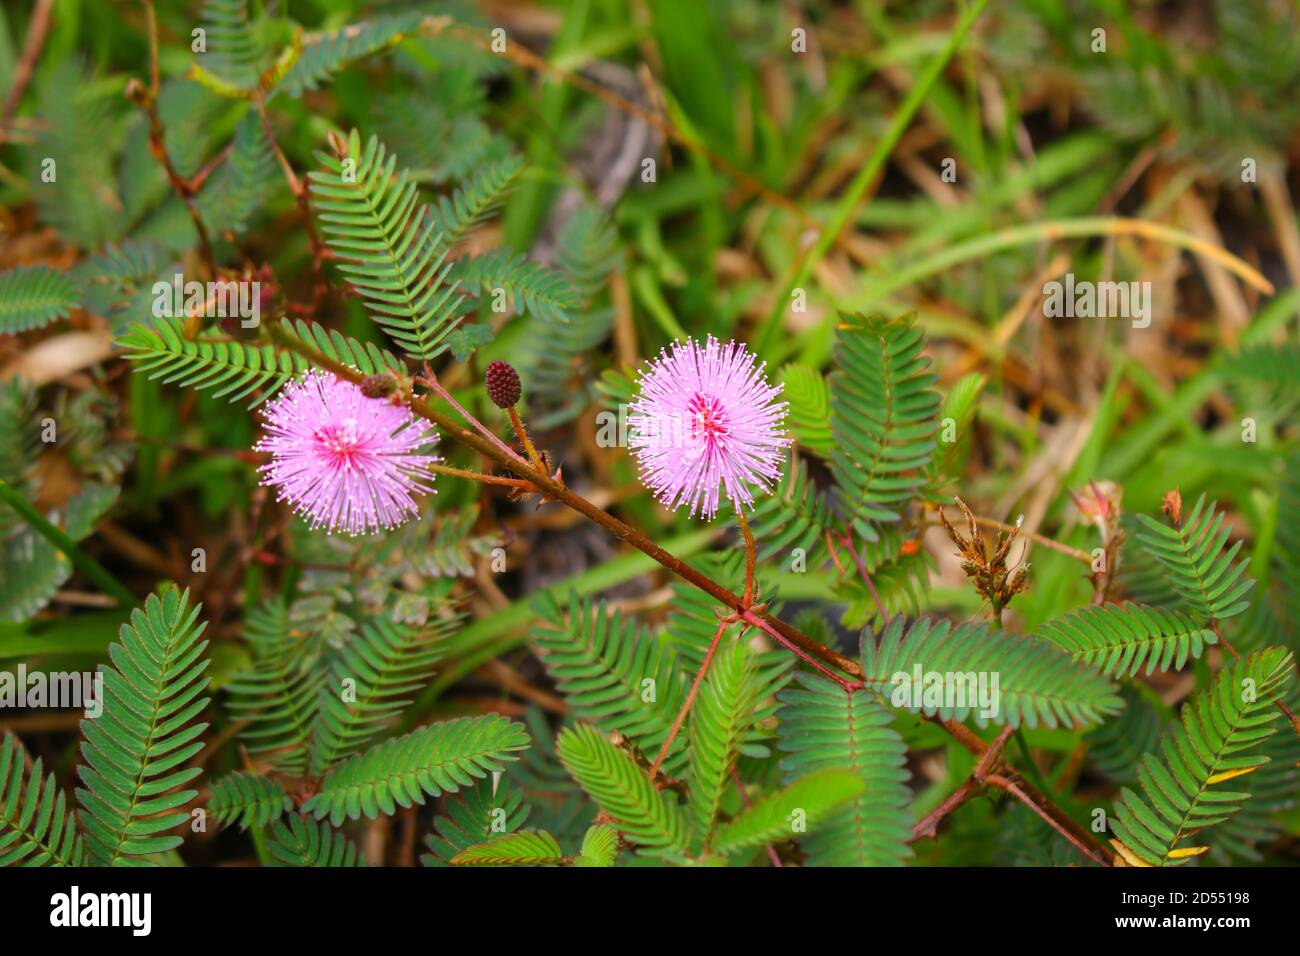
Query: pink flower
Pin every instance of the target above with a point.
(707, 421)
(344, 461)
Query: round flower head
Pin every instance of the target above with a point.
(706, 421)
(344, 461)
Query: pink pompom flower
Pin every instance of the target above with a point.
(345, 462)
(706, 421)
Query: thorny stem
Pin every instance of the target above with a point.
(847, 539)
(522, 432)
(1022, 792)
(148, 99)
(745, 802)
(319, 253)
(690, 697)
(37, 29)
(500, 448)
(480, 477)
(801, 644)
(751, 555)
(1044, 807)
(749, 617)
(970, 786)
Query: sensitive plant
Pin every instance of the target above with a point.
(735, 725)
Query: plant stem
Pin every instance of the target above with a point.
(482, 478)
(751, 556)
(970, 786)
(522, 432)
(1022, 793)
(492, 448)
(83, 562)
(430, 380)
(866, 577)
(158, 144)
(749, 617)
(690, 699)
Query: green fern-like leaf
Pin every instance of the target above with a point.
(720, 719)
(1116, 746)
(277, 701)
(433, 760)
(959, 406)
(556, 374)
(1272, 366)
(809, 397)
(235, 49)
(365, 357)
(599, 846)
(1038, 684)
(34, 296)
(1274, 789)
(445, 545)
(118, 283)
(521, 848)
(1119, 639)
(32, 569)
(36, 826)
(901, 579)
(132, 752)
(648, 816)
(240, 187)
(248, 799)
(822, 728)
(307, 842)
(1287, 540)
(235, 369)
(788, 812)
(387, 664)
(19, 434)
(1218, 740)
(882, 417)
(601, 663)
(325, 54)
(795, 516)
(488, 808)
(477, 199)
(388, 245)
(529, 285)
(1197, 566)
(587, 252)
(80, 131)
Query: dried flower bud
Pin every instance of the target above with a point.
(1173, 505)
(502, 384)
(136, 92)
(378, 386)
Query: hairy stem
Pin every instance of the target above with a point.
(527, 442)
(751, 556)
(148, 99)
(690, 699)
